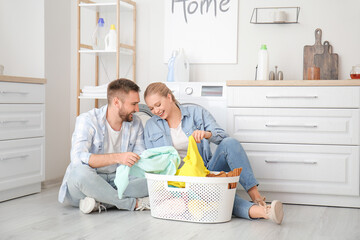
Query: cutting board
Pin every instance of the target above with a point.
(327, 62)
(310, 51)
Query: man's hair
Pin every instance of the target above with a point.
(120, 88)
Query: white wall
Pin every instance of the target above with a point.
(285, 42)
(22, 37)
(57, 73)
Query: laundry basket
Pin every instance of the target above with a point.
(203, 200)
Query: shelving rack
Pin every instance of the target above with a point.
(258, 18)
(121, 48)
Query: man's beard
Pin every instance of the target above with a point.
(126, 117)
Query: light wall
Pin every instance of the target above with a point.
(22, 37)
(57, 73)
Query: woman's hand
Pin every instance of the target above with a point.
(199, 135)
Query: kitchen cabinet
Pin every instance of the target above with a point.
(302, 138)
(22, 136)
(124, 57)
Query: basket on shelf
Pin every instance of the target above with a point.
(203, 200)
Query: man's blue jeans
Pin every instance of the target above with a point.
(228, 156)
(84, 181)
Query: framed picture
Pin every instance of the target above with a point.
(205, 29)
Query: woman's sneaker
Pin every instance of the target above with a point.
(275, 211)
(88, 205)
(143, 204)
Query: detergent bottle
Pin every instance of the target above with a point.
(110, 39)
(181, 67)
(98, 35)
(170, 76)
(263, 65)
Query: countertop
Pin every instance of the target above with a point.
(294, 83)
(5, 78)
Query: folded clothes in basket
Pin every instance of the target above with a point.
(161, 160)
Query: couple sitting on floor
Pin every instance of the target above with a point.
(112, 135)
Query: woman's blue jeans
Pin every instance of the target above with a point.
(228, 156)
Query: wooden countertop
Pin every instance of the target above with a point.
(5, 78)
(293, 83)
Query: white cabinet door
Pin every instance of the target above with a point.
(21, 162)
(317, 169)
(284, 125)
(22, 121)
(298, 97)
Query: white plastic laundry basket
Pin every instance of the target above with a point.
(203, 200)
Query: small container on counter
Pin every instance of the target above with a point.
(355, 72)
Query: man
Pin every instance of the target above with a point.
(102, 140)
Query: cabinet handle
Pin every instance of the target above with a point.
(294, 126)
(13, 121)
(8, 92)
(13, 157)
(274, 96)
(287, 161)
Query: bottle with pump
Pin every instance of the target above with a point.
(110, 39)
(98, 35)
(263, 64)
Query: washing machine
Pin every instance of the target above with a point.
(144, 113)
(210, 95)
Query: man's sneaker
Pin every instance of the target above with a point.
(88, 205)
(143, 204)
(275, 211)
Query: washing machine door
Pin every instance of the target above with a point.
(144, 113)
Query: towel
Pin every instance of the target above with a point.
(161, 160)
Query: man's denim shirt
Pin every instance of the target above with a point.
(89, 136)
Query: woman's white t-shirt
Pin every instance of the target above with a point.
(180, 141)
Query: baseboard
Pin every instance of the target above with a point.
(51, 183)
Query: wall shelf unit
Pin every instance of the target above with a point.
(275, 15)
(119, 60)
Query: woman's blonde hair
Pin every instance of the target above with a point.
(159, 88)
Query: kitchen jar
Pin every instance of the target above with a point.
(355, 72)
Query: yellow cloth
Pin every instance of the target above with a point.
(193, 164)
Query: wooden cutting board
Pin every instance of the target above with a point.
(328, 63)
(310, 51)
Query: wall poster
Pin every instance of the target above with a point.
(205, 29)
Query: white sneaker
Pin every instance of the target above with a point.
(88, 205)
(275, 211)
(143, 204)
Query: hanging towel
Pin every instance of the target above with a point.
(193, 164)
(161, 160)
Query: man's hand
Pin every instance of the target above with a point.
(128, 158)
(199, 135)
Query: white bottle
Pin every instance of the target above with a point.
(98, 35)
(263, 64)
(181, 67)
(110, 39)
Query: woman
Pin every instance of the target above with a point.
(174, 123)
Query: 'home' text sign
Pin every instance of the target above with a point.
(205, 29)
